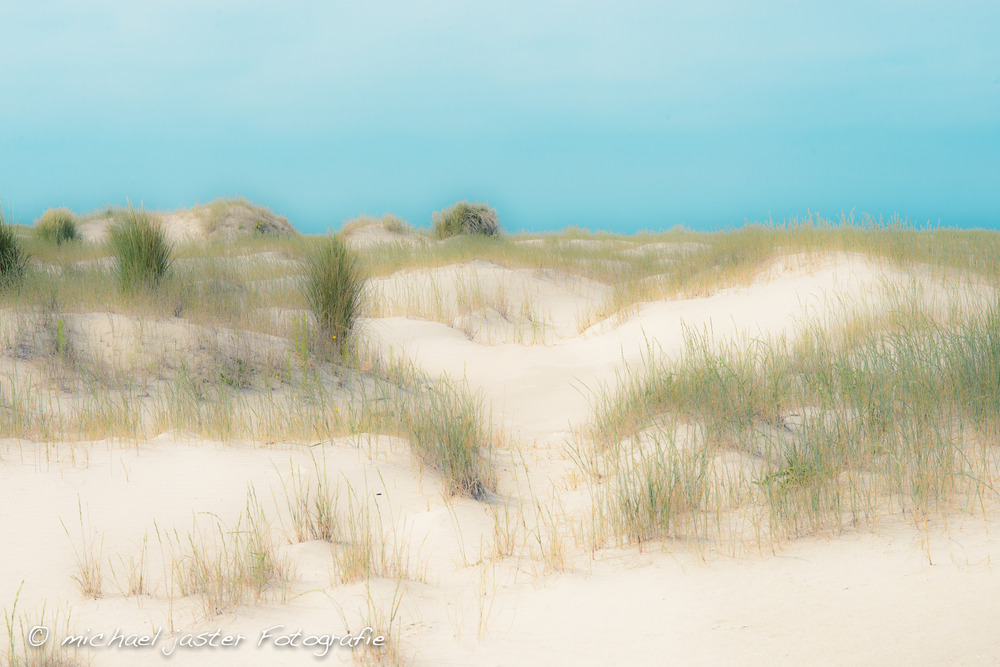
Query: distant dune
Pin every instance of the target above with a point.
(223, 218)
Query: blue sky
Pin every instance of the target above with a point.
(619, 116)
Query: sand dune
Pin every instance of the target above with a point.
(544, 391)
(901, 595)
(491, 304)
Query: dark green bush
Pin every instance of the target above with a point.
(13, 259)
(140, 246)
(58, 226)
(466, 218)
(334, 288)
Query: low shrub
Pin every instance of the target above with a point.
(13, 258)
(139, 244)
(448, 430)
(466, 218)
(334, 288)
(57, 226)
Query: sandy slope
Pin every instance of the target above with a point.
(541, 392)
(899, 597)
(871, 600)
(180, 226)
(376, 234)
(492, 304)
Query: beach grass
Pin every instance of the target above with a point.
(834, 429)
(57, 226)
(334, 286)
(13, 258)
(140, 248)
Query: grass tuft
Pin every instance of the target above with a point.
(140, 246)
(660, 494)
(334, 289)
(13, 258)
(21, 634)
(239, 567)
(447, 430)
(466, 218)
(57, 226)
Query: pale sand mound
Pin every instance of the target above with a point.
(223, 218)
(179, 227)
(669, 249)
(128, 494)
(623, 246)
(376, 234)
(95, 230)
(577, 244)
(489, 303)
(226, 218)
(856, 600)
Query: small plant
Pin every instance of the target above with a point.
(334, 289)
(313, 507)
(62, 344)
(447, 430)
(466, 218)
(385, 622)
(140, 245)
(88, 560)
(659, 494)
(363, 547)
(240, 566)
(367, 547)
(134, 573)
(394, 224)
(236, 373)
(13, 259)
(57, 226)
(22, 636)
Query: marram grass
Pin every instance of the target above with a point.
(57, 226)
(820, 435)
(334, 288)
(140, 247)
(466, 218)
(13, 258)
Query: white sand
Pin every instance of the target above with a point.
(901, 596)
(376, 234)
(179, 226)
(492, 304)
(542, 391)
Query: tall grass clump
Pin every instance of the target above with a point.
(334, 288)
(466, 218)
(139, 244)
(447, 430)
(57, 226)
(13, 258)
(724, 391)
(660, 493)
